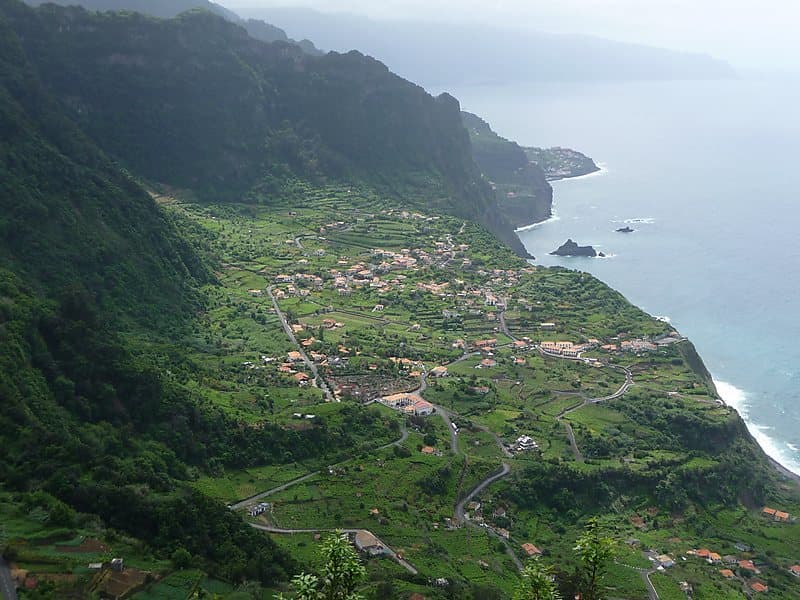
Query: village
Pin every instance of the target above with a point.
(484, 371)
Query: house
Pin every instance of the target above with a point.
(301, 378)
(499, 512)
(486, 363)
(366, 542)
(758, 587)
(714, 557)
(531, 550)
(742, 547)
(95, 566)
(439, 371)
(295, 356)
(117, 564)
(748, 565)
(548, 326)
(504, 533)
(255, 293)
(795, 570)
(526, 443)
(665, 561)
(428, 450)
(421, 408)
(727, 573)
(781, 516)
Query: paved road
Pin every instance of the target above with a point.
(461, 516)
(389, 552)
(460, 507)
(308, 362)
(446, 415)
(255, 498)
(571, 435)
(503, 327)
(7, 587)
(620, 392)
(651, 590)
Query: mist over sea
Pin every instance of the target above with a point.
(708, 174)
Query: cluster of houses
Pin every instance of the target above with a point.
(730, 563)
(776, 515)
(258, 509)
(410, 404)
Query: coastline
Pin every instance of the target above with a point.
(602, 169)
(771, 450)
(736, 399)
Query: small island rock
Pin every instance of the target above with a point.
(570, 248)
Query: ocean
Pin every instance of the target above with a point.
(708, 175)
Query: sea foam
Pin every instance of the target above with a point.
(737, 398)
(552, 219)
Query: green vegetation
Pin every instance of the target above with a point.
(156, 407)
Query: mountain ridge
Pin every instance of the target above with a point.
(468, 54)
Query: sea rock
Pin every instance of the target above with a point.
(570, 248)
(625, 229)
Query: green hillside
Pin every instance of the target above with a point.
(221, 261)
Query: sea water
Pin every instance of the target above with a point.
(708, 175)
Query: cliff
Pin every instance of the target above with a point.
(524, 196)
(234, 118)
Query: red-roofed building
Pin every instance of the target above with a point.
(757, 586)
(531, 550)
(795, 570)
(748, 565)
(727, 573)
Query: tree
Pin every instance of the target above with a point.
(537, 583)
(339, 575)
(181, 558)
(595, 550)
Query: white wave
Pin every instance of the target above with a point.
(793, 447)
(662, 318)
(737, 398)
(640, 221)
(552, 219)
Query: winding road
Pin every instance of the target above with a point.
(461, 517)
(587, 401)
(261, 495)
(447, 417)
(7, 586)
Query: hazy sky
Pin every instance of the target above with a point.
(749, 33)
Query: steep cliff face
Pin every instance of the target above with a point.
(524, 196)
(197, 103)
